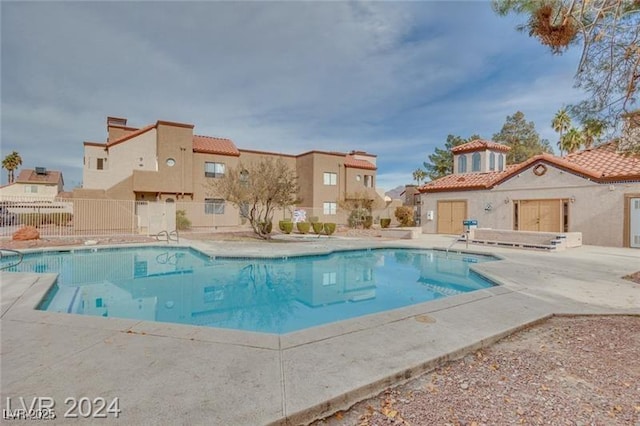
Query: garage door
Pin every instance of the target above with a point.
(540, 215)
(450, 216)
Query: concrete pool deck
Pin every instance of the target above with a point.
(174, 374)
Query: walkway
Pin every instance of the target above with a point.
(174, 374)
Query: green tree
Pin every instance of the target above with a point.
(572, 140)
(592, 129)
(11, 163)
(257, 190)
(561, 123)
(441, 161)
(419, 175)
(522, 137)
(609, 33)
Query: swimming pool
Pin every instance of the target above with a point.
(181, 285)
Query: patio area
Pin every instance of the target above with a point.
(169, 373)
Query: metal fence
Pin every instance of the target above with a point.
(87, 218)
(63, 217)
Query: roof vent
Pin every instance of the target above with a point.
(41, 170)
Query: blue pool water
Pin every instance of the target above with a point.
(273, 296)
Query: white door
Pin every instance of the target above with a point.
(634, 222)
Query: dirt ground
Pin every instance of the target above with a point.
(566, 371)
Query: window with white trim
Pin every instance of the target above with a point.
(329, 207)
(214, 170)
(492, 161)
(462, 164)
(475, 162)
(31, 189)
(330, 178)
(213, 206)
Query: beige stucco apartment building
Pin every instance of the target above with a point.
(166, 161)
(595, 191)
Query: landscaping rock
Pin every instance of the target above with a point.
(26, 233)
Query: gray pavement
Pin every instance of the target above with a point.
(177, 374)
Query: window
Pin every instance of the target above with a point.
(213, 170)
(244, 178)
(330, 178)
(31, 189)
(329, 208)
(101, 163)
(243, 209)
(368, 181)
(492, 161)
(213, 206)
(475, 159)
(501, 162)
(462, 164)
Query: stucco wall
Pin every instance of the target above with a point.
(176, 141)
(484, 160)
(304, 170)
(49, 191)
(138, 153)
(597, 212)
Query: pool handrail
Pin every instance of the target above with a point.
(168, 236)
(15, 253)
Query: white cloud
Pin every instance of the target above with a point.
(390, 78)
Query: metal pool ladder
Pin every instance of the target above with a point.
(168, 236)
(463, 236)
(13, 253)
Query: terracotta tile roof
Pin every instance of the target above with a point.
(478, 145)
(30, 176)
(600, 164)
(210, 145)
(465, 181)
(606, 161)
(351, 161)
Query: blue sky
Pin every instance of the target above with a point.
(391, 78)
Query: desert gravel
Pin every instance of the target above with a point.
(565, 371)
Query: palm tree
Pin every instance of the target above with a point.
(561, 123)
(419, 175)
(572, 140)
(11, 162)
(592, 129)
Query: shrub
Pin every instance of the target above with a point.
(182, 221)
(404, 214)
(368, 222)
(303, 227)
(317, 227)
(357, 217)
(329, 228)
(385, 222)
(314, 219)
(32, 219)
(266, 227)
(286, 226)
(282, 223)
